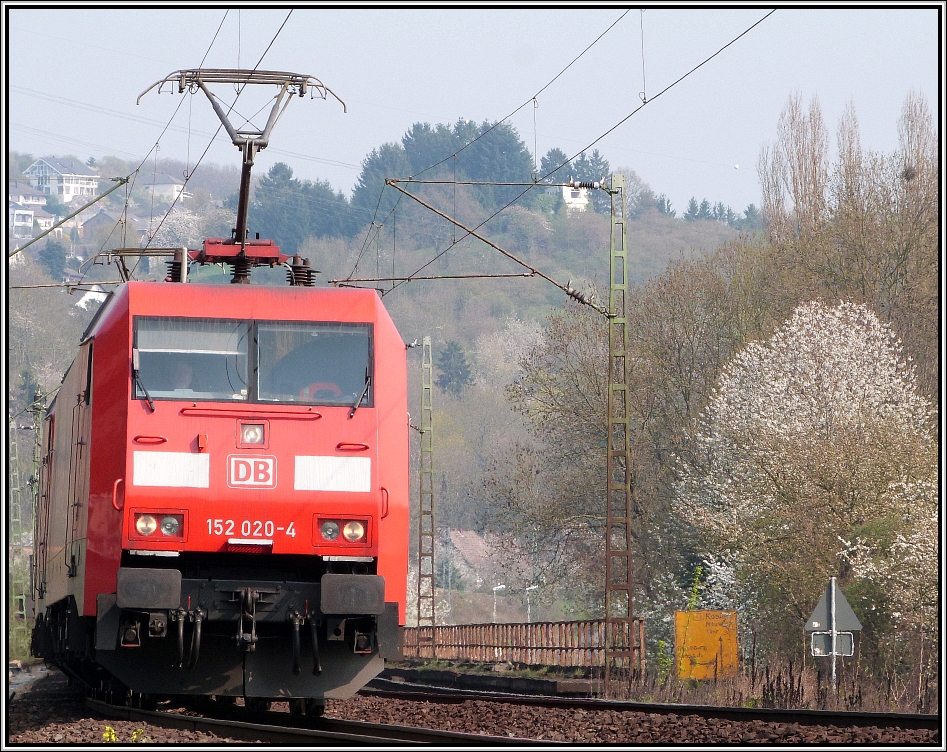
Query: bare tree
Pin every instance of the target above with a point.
(864, 229)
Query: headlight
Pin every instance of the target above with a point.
(171, 525)
(330, 530)
(146, 524)
(251, 433)
(353, 531)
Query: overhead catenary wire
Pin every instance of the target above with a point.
(589, 146)
(35, 403)
(567, 288)
(213, 138)
(121, 182)
(67, 285)
(529, 183)
(531, 99)
(229, 110)
(495, 125)
(164, 130)
(345, 283)
(150, 121)
(644, 85)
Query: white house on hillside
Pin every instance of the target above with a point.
(63, 178)
(21, 220)
(575, 199)
(162, 186)
(26, 195)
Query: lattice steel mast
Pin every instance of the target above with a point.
(20, 512)
(621, 649)
(426, 517)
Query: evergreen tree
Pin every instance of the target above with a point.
(550, 165)
(752, 219)
(693, 210)
(55, 207)
(704, 211)
(327, 210)
(275, 211)
(592, 169)
(425, 146)
(388, 161)
(664, 206)
(29, 387)
(499, 155)
(289, 211)
(455, 371)
(53, 257)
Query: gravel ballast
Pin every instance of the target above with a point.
(47, 711)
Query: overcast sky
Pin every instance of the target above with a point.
(73, 77)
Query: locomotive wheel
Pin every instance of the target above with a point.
(117, 697)
(315, 708)
(256, 704)
(143, 701)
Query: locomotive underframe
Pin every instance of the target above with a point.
(249, 638)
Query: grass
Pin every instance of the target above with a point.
(779, 684)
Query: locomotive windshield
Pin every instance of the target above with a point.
(327, 364)
(192, 359)
(263, 361)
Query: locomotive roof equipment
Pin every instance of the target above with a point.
(239, 251)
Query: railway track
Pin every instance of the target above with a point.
(387, 688)
(49, 712)
(285, 729)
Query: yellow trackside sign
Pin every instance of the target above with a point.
(705, 644)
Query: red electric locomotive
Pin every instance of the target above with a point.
(224, 495)
(223, 503)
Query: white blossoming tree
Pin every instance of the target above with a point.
(905, 566)
(813, 444)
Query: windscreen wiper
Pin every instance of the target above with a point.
(368, 383)
(135, 375)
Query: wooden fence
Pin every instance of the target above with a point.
(564, 643)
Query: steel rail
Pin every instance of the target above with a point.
(286, 729)
(406, 691)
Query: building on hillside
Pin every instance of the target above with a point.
(479, 563)
(575, 199)
(96, 294)
(64, 178)
(474, 563)
(21, 220)
(96, 222)
(44, 220)
(23, 193)
(162, 186)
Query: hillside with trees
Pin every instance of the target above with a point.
(785, 405)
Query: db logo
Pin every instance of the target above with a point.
(251, 471)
